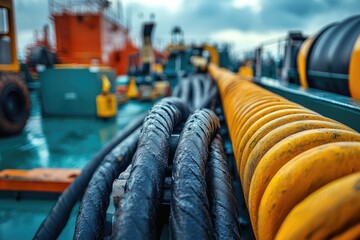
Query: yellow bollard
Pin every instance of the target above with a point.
(106, 105)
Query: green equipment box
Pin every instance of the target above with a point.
(72, 91)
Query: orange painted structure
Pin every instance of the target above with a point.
(91, 33)
(38, 180)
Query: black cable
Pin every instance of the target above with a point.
(197, 93)
(177, 89)
(138, 213)
(181, 88)
(189, 100)
(59, 214)
(208, 83)
(90, 222)
(186, 91)
(209, 98)
(220, 193)
(189, 207)
(202, 82)
(210, 93)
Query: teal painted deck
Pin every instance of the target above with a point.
(53, 143)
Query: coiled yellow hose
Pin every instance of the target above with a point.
(290, 159)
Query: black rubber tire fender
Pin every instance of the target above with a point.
(14, 104)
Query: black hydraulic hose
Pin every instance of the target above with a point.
(204, 91)
(208, 82)
(210, 90)
(197, 93)
(59, 214)
(211, 96)
(204, 79)
(181, 88)
(90, 222)
(190, 99)
(138, 213)
(220, 193)
(177, 90)
(189, 206)
(186, 91)
(202, 82)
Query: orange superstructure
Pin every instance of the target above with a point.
(89, 32)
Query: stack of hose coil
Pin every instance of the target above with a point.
(202, 203)
(197, 90)
(299, 170)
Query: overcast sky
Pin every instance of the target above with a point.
(244, 23)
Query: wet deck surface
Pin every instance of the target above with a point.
(62, 142)
(20, 219)
(53, 143)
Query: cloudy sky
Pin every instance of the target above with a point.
(243, 23)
